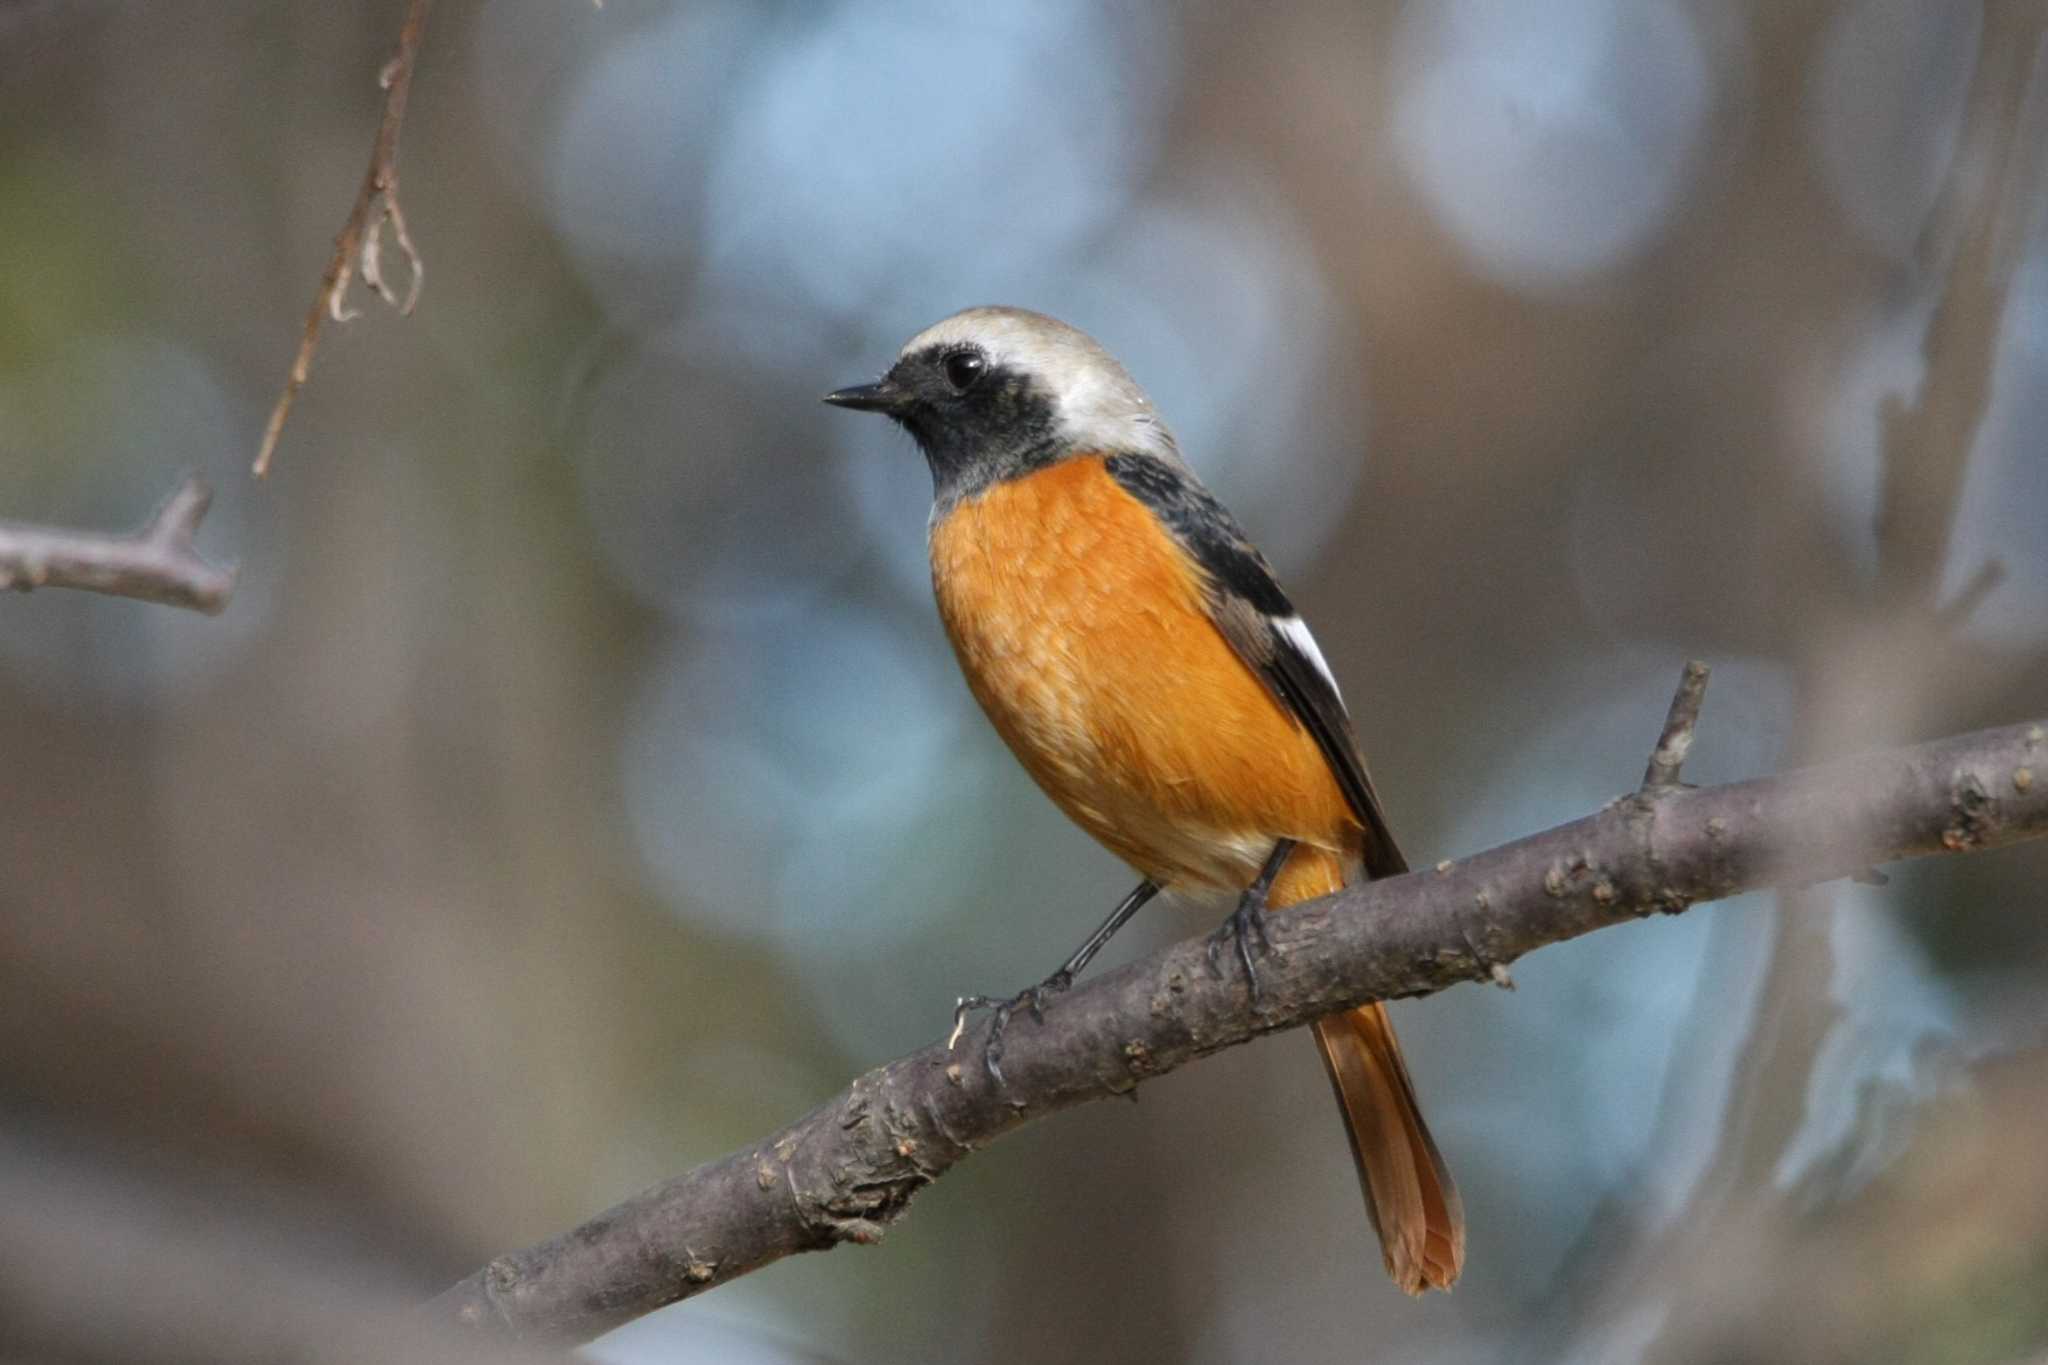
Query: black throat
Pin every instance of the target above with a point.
(1005, 427)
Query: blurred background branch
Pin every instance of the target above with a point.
(360, 243)
(1881, 660)
(109, 1260)
(849, 1169)
(155, 564)
(1969, 250)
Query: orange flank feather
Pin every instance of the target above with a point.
(1084, 632)
(1081, 627)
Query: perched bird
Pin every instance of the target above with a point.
(1133, 649)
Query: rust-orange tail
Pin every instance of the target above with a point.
(1408, 1190)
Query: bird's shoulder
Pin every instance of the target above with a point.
(1204, 528)
(1248, 606)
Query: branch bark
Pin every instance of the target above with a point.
(847, 1170)
(156, 564)
(360, 244)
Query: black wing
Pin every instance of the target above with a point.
(1254, 615)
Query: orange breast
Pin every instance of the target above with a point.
(1080, 625)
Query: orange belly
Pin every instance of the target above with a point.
(1081, 627)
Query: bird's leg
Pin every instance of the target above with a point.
(1035, 996)
(1249, 919)
(1093, 944)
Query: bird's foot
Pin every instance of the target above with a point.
(1245, 923)
(1032, 998)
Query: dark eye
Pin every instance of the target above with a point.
(964, 369)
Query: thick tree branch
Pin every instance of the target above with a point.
(156, 564)
(360, 244)
(848, 1169)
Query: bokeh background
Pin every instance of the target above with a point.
(579, 785)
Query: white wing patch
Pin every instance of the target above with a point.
(1295, 631)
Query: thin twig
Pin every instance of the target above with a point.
(360, 244)
(155, 564)
(849, 1169)
(1676, 740)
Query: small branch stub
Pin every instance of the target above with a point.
(1676, 740)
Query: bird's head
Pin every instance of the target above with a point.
(992, 393)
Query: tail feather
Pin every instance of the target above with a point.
(1408, 1189)
(1409, 1194)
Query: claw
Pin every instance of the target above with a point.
(1249, 920)
(1056, 984)
(960, 1010)
(1245, 923)
(992, 1055)
(1036, 996)
(1031, 997)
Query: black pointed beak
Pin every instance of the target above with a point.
(886, 396)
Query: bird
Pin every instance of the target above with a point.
(1134, 650)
